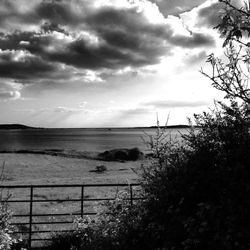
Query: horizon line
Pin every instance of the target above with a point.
(113, 127)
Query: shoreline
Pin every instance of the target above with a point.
(90, 155)
(55, 152)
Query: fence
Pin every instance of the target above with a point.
(79, 201)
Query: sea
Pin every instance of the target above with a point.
(90, 140)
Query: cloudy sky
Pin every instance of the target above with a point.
(102, 63)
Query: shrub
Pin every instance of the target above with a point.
(100, 168)
(199, 194)
(65, 241)
(7, 242)
(135, 154)
(121, 154)
(115, 227)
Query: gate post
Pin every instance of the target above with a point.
(82, 198)
(30, 217)
(131, 194)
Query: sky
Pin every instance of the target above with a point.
(106, 63)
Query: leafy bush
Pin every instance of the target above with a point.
(7, 242)
(135, 154)
(65, 241)
(5, 230)
(115, 227)
(100, 168)
(199, 192)
(121, 154)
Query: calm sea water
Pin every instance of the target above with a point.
(78, 139)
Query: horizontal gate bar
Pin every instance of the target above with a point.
(70, 185)
(47, 215)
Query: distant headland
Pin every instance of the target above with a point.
(23, 127)
(15, 126)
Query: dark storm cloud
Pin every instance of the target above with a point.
(175, 103)
(210, 16)
(175, 7)
(129, 42)
(194, 41)
(33, 12)
(79, 54)
(108, 18)
(15, 64)
(57, 12)
(13, 40)
(48, 27)
(124, 37)
(196, 58)
(130, 30)
(10, 13)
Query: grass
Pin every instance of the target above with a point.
(45, 169)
